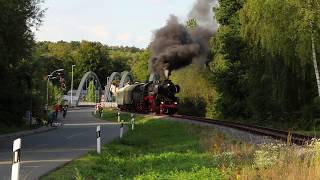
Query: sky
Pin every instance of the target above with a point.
(111, 22)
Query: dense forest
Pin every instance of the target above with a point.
(260, 68)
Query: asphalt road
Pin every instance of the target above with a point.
(43, 152)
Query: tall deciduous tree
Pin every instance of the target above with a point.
(92, 56)
(16, 41)
(140, 66)
(279, 36)
(228, 65)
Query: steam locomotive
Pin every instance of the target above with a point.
(156, 96)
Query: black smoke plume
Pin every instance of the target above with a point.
(174, 46)
(202, 12)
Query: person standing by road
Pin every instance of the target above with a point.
(60, 108)
(56, 110)
(51, 117)
(99, 109)
(64, 109)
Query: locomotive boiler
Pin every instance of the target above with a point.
(156, 96)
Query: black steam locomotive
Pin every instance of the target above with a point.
(157, 96)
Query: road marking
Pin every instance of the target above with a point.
(75, 135)
(90, 124)
(7, 154)
(37, 161)
(40, 146)
(57, 150)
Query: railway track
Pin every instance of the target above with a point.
(295, 138)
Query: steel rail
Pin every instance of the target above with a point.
(295, 138)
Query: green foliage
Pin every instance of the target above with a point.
(91, 92)
(284, 29)
(92, 56)
(226, 12)
(192, 23)
(197, 95)
(16, 40)
(87, 56)
(139, 67)
(280, 58)
(261, 65)
(229, 62)
(56, 95)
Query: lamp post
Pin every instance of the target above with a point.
(72, 84)
(50, 77)
(95, 91)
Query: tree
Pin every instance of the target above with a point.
(92, 56)
(280, 39)
(192, 23)
(56, 96)
(197, 94)
(140, 66)
(16, 41)
(229, 63)
(91, 92)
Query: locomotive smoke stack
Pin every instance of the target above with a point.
(167, 73)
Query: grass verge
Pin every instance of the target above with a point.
(156, 149)
(162, 149)
(110, 115)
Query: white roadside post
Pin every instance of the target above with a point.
(16, 159)
(132, 121)
(98, 133)
(121, 129)
(118, 116)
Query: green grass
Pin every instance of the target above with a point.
(164, 149)
(156, 149)
(111, 115)
(4, 129)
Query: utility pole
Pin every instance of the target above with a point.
(71, 85)
(47, 92)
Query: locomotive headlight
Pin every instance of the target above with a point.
(161, 102)
(175, 103)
